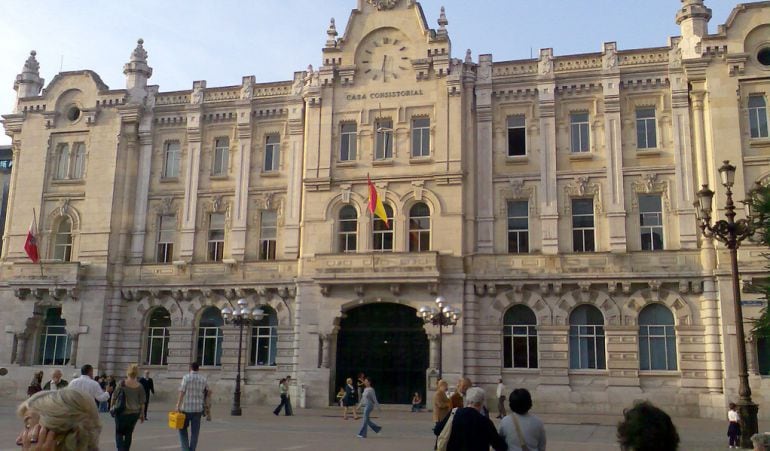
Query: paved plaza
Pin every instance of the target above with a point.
(324, 429)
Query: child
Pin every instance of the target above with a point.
(340, 395)
(734, 428)
(416, 402)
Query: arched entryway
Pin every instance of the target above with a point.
(388, 343)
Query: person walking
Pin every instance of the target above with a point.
(500, 399)
(134, 400)
(441, 403)
(368, 402)
(192, 394)
(471, 430)
(733, 426)
(350, 399)
(520, 429)
(457, 397)
(56, 382)
(149, 387)
(289, 409)
(283, 391)
(86, 384)
(35, 385)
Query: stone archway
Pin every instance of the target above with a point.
(388, 343)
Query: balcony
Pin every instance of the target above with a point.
(227, 273)
(380, 267)
(54, 279)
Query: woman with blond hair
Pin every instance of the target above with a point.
(61, 420)
(127, 407)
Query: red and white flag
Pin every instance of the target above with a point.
(30, 246)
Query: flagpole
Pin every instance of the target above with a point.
(39, 260)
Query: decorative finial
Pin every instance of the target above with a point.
(468, 57)
(442, 20)
(139, 54)
(31, 66)
(331, 33)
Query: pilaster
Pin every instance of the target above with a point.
(294, 153)
(180, 348)
(192, 173)
(548, 193)
(553, 347)
(683, 160)
(616, 212)
(485, 216)
(242, 169)
(623, 355)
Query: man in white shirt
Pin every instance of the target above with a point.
(500, 399)
(86, 384)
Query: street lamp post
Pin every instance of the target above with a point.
(732, 232)
(241, 316)
(442, 316)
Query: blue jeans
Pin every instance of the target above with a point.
(193, 420)
(367, 422)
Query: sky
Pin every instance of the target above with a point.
(221, 41)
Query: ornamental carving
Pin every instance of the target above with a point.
(516, 189)
(383, 4)
(649, 183)
(581, 186)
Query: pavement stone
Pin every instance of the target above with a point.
(324, 429)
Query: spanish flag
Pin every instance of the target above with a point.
(375, 203)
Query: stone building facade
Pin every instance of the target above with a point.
(549, 199)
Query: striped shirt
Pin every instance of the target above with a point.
(193, 386)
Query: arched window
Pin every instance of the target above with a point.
(383, 233)
(419, 228)
(519, 338)
(157, 337)
(264, 339)
(62, 248)
(210, 337)
(348, 229)
(586, 339)
(657, 339)
(54, 340)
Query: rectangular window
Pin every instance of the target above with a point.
(657, 348)
(78, 160)
(348, 133)
(517, 136)
(268, 232)
(421, 137)
(586, 345)
(221, 156)
(171, 160)
(651, 222)
(579, 134)
(520, 346)
(583, 225)
(157, 346)
(62, 161)
(384, 139)
(758, 116)
(210, 346)
(54, 346)
(272, 147)
(646, 133)
(216, 237)
(264, 349)
(348, 239)
(166, 235)
(518, 227)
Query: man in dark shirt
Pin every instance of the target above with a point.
(149, 386)
(471, 430)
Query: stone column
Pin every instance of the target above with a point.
(433, 340)
(15, 148)
(325, 349)
(242, 169)
(613, 143)
(192, 173)
(697, 98)
(143, 174)
(485, 215)
(294, 156)
(74, 337)
(20, 353)
(709, 310)
(683, 162)
(548, 193)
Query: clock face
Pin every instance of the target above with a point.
(385, 57)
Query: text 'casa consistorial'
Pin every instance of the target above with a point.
(386, 94)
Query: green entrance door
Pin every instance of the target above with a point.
(386, 342)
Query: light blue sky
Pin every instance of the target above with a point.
(221, 41)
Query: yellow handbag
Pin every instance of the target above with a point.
(176, 420)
